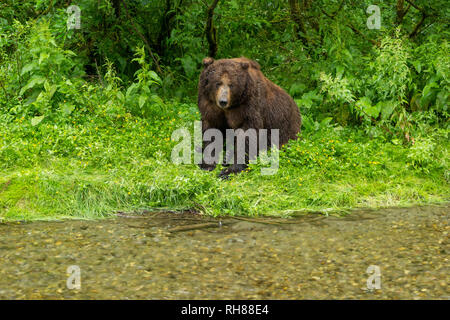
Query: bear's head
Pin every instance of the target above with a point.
(225, 81)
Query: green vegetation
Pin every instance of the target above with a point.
(86, 116)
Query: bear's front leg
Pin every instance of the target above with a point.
(207, 167)
(245, 149)
(235, 168)
(212, 145)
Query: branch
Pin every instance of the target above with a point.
(415, 6)
(418, 25)
(407, 9)
(426, 27)
(46, 10)
(401, 11)
(425, 14)
(339, 9)
(354, 29)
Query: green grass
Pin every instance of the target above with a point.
(93, 166)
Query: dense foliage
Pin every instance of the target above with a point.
(87, 114)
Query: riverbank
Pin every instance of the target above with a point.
(91, 167)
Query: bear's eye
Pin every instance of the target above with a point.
(218, 84)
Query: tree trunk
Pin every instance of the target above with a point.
(116, 7)
(401, 11)
(170, 11)
(211, 31)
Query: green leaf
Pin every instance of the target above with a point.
(364, 105)
(307, 123)
(70, 53)
(154, 98)
(32, 83)
(386, 107)
(142, 100)
(297, 89)
(120, 96)
(36, 120)
(153, 75)
(325, 122)
(67, 109)
(372, 111)
(28, 67)
(130, 90)
(428, 94)
(417, 65)
(43, 56)
(50, 89)
(189, 65)
(146, 89)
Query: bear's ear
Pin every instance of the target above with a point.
(255, 65)
(244, 65)
(207, 61)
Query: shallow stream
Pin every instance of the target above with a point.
(185, 256)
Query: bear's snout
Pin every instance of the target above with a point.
(223, 96)
(223, 103)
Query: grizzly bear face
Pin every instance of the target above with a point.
(225, 82)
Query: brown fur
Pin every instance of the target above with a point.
(253, 101)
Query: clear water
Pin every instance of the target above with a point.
(183, 256)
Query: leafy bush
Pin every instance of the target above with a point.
(139, 96)
(86, 115)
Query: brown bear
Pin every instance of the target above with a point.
(234, 94)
